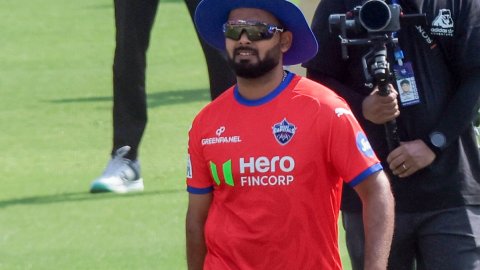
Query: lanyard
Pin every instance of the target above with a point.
(398, 53)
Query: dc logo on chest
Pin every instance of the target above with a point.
(284, 131)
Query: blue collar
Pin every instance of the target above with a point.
(267, 98)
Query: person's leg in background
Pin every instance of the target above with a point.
(220, 75)
(354, 237)
(450, 239)
(404, 247)
(133, 21)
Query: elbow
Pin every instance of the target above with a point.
(193, 228)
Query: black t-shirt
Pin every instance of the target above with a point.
(444, 54)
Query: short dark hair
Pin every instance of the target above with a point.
(405, 82)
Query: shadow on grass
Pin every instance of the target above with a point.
(80, 196)
(154, 99)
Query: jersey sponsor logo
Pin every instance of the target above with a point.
(284, 131)
(442, 25)
(260, 171)
(221, 139)
(220, 130)
(364, 145)
(342, 111)
(227, 173)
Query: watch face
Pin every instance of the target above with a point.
(438, 139)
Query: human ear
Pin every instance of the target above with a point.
(285, 41)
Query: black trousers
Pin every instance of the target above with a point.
(447, 239)
(133, 21)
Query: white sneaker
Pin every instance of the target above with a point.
(122, 175)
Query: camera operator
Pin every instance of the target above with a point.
(435, 172)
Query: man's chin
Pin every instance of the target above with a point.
(246, 70)
(247, 75)
(250, 68)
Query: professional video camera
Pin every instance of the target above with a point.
(377, 22)
(373, 17)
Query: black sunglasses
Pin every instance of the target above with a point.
(255, 30)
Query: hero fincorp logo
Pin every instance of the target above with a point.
(221, 139)
(257, 171)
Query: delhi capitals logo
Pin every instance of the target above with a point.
(284, 131)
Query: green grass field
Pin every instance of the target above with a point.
(55, 124)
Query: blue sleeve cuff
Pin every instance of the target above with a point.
(369, 171)
(199, 190)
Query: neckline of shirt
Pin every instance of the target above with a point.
(257, 102)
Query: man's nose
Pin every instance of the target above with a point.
(244, 37)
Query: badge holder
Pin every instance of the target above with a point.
(405, 79)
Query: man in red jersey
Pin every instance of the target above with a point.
(267, 158)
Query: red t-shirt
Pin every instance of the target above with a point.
(275, 167)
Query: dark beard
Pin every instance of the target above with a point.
(245, 69)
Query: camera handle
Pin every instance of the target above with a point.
(376, 67)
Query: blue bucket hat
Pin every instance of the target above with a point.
(212, 14)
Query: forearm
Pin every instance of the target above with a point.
(378, 223)
(378, 219)
(197, 213)
(196, 248)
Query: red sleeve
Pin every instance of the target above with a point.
(348, 147)
(198, 174)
